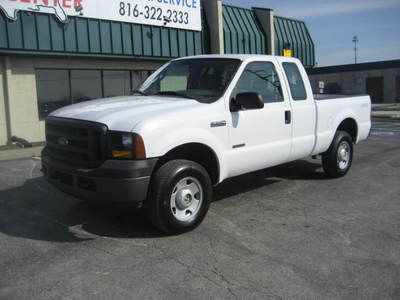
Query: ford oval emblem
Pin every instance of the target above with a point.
(63, 141)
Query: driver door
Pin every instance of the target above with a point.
(260, 138)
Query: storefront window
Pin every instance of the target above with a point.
(138, 77)
(116, 83)
(53, 90)
(85, 85)
(57, 88)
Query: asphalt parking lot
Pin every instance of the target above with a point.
(282, 233)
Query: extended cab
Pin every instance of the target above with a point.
(194, 123)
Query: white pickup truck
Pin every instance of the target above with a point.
(194, 123)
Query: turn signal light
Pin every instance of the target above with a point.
(140, 151)
(122, 154)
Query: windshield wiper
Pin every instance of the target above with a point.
(172, 93)
(138, 92)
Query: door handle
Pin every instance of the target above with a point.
(288, 117)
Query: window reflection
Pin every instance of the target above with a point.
(85, 85)
(116, 83)
(138, 77)
(261, 77)
(296, 83)
(57, 88)
(52, 90)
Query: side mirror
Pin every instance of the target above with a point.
(247, 101)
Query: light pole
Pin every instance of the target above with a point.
(355, 41)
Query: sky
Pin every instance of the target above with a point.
(332, 25)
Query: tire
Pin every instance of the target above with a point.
(337, 161)
(179, 196)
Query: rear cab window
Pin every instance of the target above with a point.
(296, 84)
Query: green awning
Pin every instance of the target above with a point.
(38, 33)
(295, 33)
(242, 33)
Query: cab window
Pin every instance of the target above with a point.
(262, 78)
(296, 83)
(175, 79)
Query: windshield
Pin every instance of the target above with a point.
(202, 79)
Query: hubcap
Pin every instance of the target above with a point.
(186, 199)
(343, 155)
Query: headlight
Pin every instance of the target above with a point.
(122, 145)
(127, 141)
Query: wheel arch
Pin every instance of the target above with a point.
(350, 126)
(197, 152)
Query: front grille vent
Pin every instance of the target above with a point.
(79, 143)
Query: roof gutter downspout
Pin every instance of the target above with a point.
(7, 111)
(265, 17)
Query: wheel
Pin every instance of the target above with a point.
(179, 196)
(336, 162)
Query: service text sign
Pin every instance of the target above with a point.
(183, 14)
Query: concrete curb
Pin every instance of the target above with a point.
(11, 154)
(393, 107)
(385, 114)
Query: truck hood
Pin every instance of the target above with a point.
(124, 113)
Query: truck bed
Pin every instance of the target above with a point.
(341, 107)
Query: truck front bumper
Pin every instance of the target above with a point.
(113, 181)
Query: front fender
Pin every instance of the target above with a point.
(157, 145)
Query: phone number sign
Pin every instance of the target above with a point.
(183, 14)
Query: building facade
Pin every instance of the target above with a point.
(380, 80)
(46, 64)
